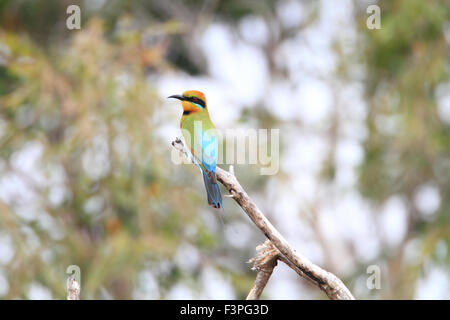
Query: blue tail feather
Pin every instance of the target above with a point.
(212, 190)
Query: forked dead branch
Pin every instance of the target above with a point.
(333, 287)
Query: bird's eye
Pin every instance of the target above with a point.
(197, 101)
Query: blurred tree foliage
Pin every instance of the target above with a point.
(407, 63)
(45, 20)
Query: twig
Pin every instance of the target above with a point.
(73, 289)
(264, 262)
(333, 287)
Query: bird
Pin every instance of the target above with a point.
(201, 137)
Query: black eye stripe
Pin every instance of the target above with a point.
(197, 101)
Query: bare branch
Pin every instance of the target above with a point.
(333, 287)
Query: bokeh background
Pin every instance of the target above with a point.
(86, 176)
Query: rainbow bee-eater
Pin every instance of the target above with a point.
(200, 135)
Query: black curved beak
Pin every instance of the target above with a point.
(177, 96)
